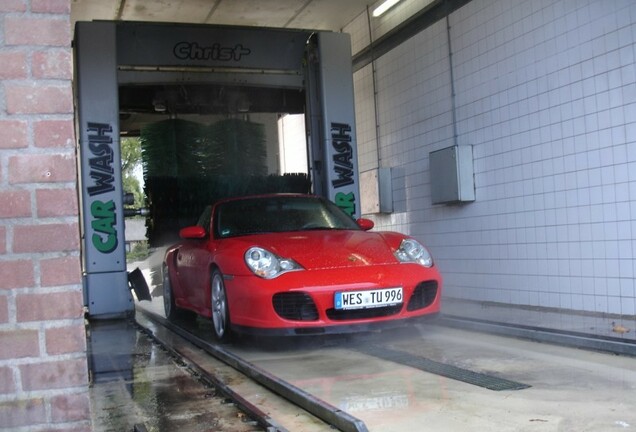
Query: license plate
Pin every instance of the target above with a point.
(367, 299)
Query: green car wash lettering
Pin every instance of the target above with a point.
(105, 237)
(343, 166)
(100, 145)
(347, 202)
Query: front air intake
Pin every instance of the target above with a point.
(423, 296)
(296, 306)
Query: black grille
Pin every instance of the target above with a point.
(353, 314)
(423, 295)
(297, 306)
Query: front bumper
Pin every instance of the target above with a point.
(336, 329)
(252, 307)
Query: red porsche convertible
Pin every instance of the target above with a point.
(296, 265)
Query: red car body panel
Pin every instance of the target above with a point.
(321, 286)
(332, 260)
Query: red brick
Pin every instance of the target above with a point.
(51, 31)
(65, 340)
(13, 6)
(70, 408)
(7, 385)
(42, 168)
(50, 306)
(51, 6)
(15, 414)
(54, 375)
(56, 202)
(60, 271)
(18, 344)
(13, 65)
(15, 204)
(54, 133)
(38, 98)
(16, 274)
(4, 310)
(52, 64)
(46, 238)
(13, 134)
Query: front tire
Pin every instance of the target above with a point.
(169, 306)
(219, 307)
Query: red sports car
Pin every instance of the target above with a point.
(296, 265)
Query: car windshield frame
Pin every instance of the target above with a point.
(275, 214)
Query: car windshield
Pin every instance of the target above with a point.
(279, 214)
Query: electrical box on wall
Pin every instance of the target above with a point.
(376, 191)
(452, 179)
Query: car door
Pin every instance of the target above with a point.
(193, 261)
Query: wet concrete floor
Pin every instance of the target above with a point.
(569, 389)
(136, 384)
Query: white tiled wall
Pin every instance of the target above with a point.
(359, 28)
(546, 94)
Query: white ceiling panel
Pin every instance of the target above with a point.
(181, 11)
(256, 13)
(88, 10)
(305, 14)
(329, 14)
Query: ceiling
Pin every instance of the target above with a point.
(138, 104)
(301, 14)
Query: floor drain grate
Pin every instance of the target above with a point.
(422, 363)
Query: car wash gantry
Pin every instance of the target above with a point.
(124, 67)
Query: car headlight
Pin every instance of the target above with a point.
(268, 265)
(412, 251)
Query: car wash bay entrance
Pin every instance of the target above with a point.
(129, 70)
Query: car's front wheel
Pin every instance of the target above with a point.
(219, 307)
(169, 306)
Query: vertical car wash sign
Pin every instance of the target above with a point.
(103, 217)
(343, 168)
(106, 291)
(98, 112)
(341, 157)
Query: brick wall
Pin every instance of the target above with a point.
(43, 369)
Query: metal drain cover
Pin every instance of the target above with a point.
(449, 371)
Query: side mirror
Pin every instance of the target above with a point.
(192, 232)
(365, 224)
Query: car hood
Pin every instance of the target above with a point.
(331, 248)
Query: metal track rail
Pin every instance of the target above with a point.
(540, 334)
(315, 406)
(258, 416)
